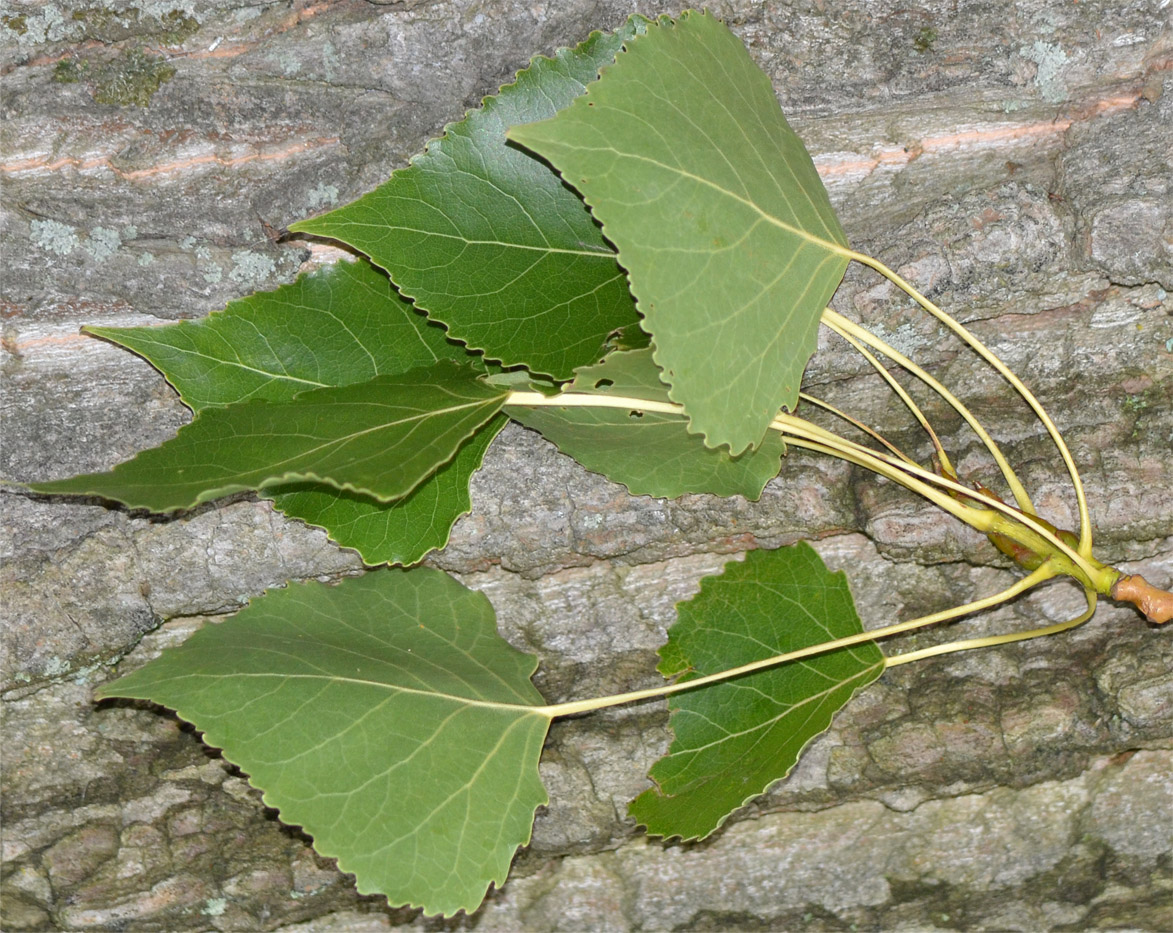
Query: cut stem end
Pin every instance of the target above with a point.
(1157, 605)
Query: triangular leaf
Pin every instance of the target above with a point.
(398, 532)
(381, 438)
(385, 715)
(652, 454)
(335, 326)
(718, 214)
(487, 240)
(735, 738)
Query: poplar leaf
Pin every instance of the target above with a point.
(653, 454)
(735, 738)
(402, 531)
(385, 715)
(718, 214)
(381, 438)
(334, 326)
(487, 240)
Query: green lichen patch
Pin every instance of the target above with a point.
(322, 196)
(103, 243)
(177, 27)
(249, 268)
(18, 24)
(1051, 60)
(68, 71)
(925, 39)
(130, 80)
(105, 25)
(52, 236)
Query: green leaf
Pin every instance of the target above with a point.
(735, 738)
(718, 214)
(652, 454)
(399, 532)
(381, 438)
(334, 326)
(337, 325)
(487, 240)
(385, 715)
(631, 337)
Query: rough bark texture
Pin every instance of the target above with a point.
(1011, 158)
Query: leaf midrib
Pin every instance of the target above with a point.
(829, 245)
(345, 439)
(358, 681)
(111, 333)
(592, 253)
(773, 720)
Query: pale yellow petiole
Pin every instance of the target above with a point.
(859, 425)
(942, 455)
(805, 434)
(966, 644)
(585, 706)
(895, 467)
(1085, 527)
(925, 483)
(847, 328)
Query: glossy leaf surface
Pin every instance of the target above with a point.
(385, 715)
(734, 739)
(335, 326)
(719, 216)
(398, 532)
(382, 438)
(652, 454)
(486, 239)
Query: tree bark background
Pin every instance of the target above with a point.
(1012, 159)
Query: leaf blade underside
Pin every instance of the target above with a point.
(735, 738)
(730, 242)
(381, 438)
(653, 454)
(487, 240)
(385, 715)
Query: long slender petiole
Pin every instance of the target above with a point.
(845, 327)
(903, 395)
(1085, 525)
(915, 478)
(857, 424)
(923, 482)
(809, 435)
(966, 644)
(585, 706)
